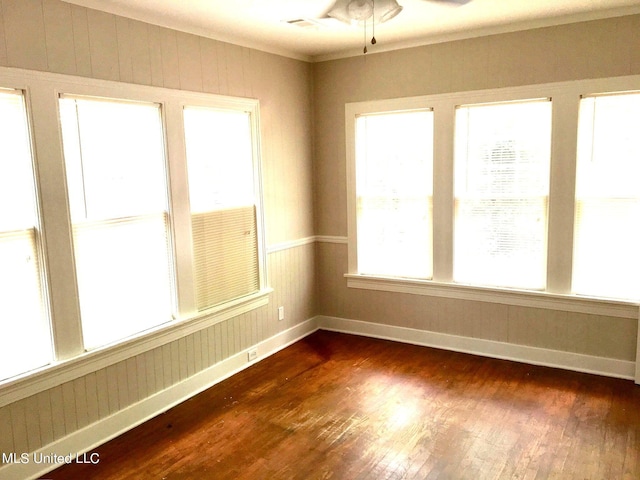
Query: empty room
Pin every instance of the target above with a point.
(389, 239)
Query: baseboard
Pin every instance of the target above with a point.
(88, 438)
(609, 367)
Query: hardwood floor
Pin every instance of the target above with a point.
(345, 407)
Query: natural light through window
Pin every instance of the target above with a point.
(502, 161)
(606, 258)
(25, 338)
(222, 195)
(115, 164)
(394, 191)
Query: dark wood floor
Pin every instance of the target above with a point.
(346, 407)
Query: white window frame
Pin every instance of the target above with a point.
(234, 227)
(89, 223)
(363, 194)
(42, 91)
(588, 196)
(463, 160)
(34, 231)
(565, 97)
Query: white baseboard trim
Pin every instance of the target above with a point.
(88, 438)
(609, 367)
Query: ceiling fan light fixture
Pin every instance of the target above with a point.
(357, 12)
(387, 10)
(351, 11)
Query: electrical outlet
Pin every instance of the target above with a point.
(252, 354)
(280, 313)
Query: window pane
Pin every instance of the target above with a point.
(25, 341)
(114, 156)
(502, 158)
(394, 187)
(122, 268)
(222, 198)
(606, 258)
(219, 158)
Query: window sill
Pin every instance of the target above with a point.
(57, 373)
(552, 301)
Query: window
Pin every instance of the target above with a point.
(96, 237)
(220, 164)
(394, 188)
(606, 257)
(25, 342)
(115, 165)
(502, 161)
(496, 170)
(502, 196)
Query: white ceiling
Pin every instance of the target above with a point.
(262, 23)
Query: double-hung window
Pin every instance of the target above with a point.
(394, 192)
(606, 257)
(223, 204)
(471, 195)
(25, 338)
(117, 186)
(131, 215)
(502, 162)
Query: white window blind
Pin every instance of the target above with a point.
(25, 334)
(223, 204)
(502, 161)
(606, 257)
(115, 164)
(394, 190)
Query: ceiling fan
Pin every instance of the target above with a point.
(362, 12)
(358, 11)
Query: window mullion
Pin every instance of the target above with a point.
(56, 225)
(180, 216)
(443, 191)
(256, 146)
(564, 139)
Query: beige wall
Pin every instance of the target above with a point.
(52, 36)
(594, 49)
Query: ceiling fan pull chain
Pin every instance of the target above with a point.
(365, 36)
(373, 21)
